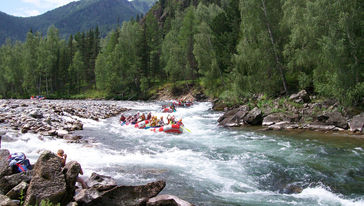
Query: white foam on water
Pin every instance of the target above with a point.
(225, 177)
(325, 197)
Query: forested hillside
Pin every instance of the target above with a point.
(231, 48)
(78, 16)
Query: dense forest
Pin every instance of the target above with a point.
(232, 49)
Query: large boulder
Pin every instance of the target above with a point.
(48, 182)
(71, 171)
(167, 200)
(122, 195)
(101, 182)
(337, 119)
(234, 117)
(4, 164)
(357, 123)
(254, 117)
(276, 118)
(300, 97)
(86, 196)
(10, 181)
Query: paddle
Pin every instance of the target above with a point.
(186, 129)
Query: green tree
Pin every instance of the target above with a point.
(258, 64)
(212, 77)
(76, 70)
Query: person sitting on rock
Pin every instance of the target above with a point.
(63, 156)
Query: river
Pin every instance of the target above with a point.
(218, 166)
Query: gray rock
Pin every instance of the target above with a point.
(61, 133)
(48, 182)
(5, 201)
(72, 137)
(86, 196)
(161, 200)
(101, 182)
(4, 164)
(18, 191)
(36, 114)
(280, 117)
(127, 195)
(235, 117)
(319, 127)
(337, 119)
(71, 171)
(357, 123)
(254, 117)
(300, 97)
(10, 181)
(279, 125)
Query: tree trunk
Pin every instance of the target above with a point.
(278, 62)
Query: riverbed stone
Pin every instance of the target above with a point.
(61, 133)
(357, 123)
(36, 114)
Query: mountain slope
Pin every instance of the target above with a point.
(74, 17)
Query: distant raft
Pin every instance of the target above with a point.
(172, 128)
(168, 110)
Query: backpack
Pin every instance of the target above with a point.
(18, 162)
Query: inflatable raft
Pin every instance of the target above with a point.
(167, 110)
(172, 128)
(141, 124)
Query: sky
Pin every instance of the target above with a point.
(25, 8)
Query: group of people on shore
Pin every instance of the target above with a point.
(154, 121)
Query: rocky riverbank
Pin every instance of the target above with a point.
(48, 181)
(59, 118)
(299, 111)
